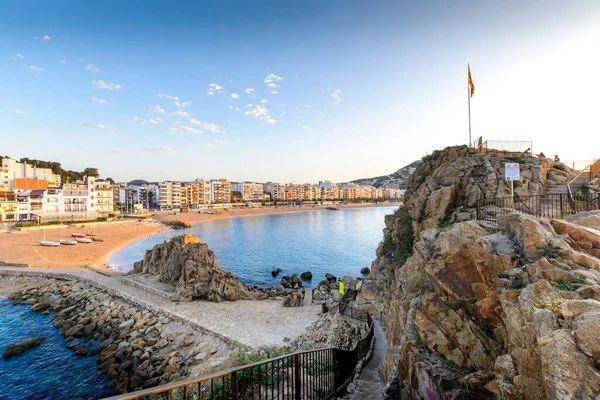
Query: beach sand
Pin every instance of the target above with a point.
(24, 246)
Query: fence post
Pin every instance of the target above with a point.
(334, 367)
(297, 375)
(234, 385)
(561, 204)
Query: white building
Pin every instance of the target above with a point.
(275, 190)
(21, 176)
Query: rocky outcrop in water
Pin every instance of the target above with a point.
(479, 311)
(192, 267)
(17, 348)
(135, 348)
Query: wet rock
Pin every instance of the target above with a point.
(275, 272)
(81, 350)
(330, 277)
(39, 306)
(17, 348)
(306, 276)
(365, 270)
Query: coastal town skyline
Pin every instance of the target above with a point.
(281, 92)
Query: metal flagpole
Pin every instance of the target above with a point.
(469, 101)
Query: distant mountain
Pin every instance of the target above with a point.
(139, 182)
(399, 177)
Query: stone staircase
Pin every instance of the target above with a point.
(370, 385)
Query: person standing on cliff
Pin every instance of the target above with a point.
(556, 158)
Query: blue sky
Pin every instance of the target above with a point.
(291, 90)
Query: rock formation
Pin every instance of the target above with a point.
(479, 311)
(192, 267)
(17, 348)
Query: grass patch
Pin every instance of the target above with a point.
(518, 283)
(473, 301)
(455, 305)
(577, 279)
(583, 265)
(512, 159)
(549, 251)
(562, 285)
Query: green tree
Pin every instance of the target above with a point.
(93, 172)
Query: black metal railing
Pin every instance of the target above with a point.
(504, 147)
(316, 375)
(559, 205)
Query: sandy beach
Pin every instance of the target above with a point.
(24, 246)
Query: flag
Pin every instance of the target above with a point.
(471, 82)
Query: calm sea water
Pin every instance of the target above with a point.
(339, 242)
(48, 371)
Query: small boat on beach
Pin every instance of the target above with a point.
(68, 242)
(90, 234)
(49, 243)
(83, 240)
(97, 239)
(77, 235)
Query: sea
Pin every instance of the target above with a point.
(50, 370)
(339, 242)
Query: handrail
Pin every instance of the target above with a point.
(569, 190)
(313, 355)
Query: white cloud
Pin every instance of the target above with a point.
(21, 112)
(213, 143)
(94, 126)
(208, 127)
(46, 37)
(163, 149)
(181, 113)
(214, 88)
(307, 128)
(154, 121)
(157, 109)
(264, 101)
(336, 95)
(182, 104)
(272, 78)
(234, 95)
(168, 97)
(136, 119)
(183, 129)
(249, 91)
(62, 61)
(260, 112)
(106, 85)
(97, 100)
(18, 56)
(232, 108)
(36, 69)
(274, 92)
(92, 68)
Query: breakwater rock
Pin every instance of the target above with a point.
(192, 267)
(135, 348)
(473, 310)
(17, 348)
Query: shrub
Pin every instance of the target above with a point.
(503, 275)
(583, 265)
(455, 305)
(485, 328)
(473, 301)
(549, 251)
(562, 285)
(550, 304)
(518, 283)
(577, 279)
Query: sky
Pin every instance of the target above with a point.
(291, 91)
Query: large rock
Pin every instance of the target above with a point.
(192, 267)
(17, 348)
(293, 300)
(586, 330)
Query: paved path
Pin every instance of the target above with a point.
(370, 385)
(308, 295)
(252, 323)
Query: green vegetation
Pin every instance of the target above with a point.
(418, 338)
(57, 169)
(318, 367)
(549, 251)
(473, 301)
(518, 283)
(562, 285)
(455, 305)
(577, 279)
(32, 223)
(512, 159)
(503, 275)
(583, 265)
(485, 328)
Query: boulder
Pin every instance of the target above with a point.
(365, 270)
(189, 264)
(275, 272)
(17, 348)
(306, 276)
(330, 277)
(293, 300)
(586, 330)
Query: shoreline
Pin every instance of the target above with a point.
(23, 247)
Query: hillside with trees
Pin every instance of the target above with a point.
(56, 167)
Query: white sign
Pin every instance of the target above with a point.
(512, 172)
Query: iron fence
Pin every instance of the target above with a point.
(310, 375)
(557, 205)
(504, 147)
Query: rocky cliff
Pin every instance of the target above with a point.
(478, 311)
(192, 267)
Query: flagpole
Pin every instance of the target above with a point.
(469, 101)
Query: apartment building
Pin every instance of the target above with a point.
(165, 195)
(8, 204)
(21, 177)
(275, 190)
(103, 198)
(220, 191)
(195, 193)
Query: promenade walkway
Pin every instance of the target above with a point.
(246, 322)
